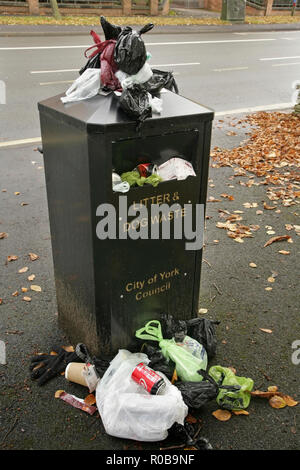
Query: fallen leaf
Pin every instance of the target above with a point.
(273, 388)
(68, 348)
(3, 235)
(266, 330)
(58, 393)
(191, 419)
(24, 289)
(277, 402)
(269, 208)
(12, 258)
(222, 415)
(289, 400)
(283, 252)
(15, 294)
(252, 265)
(17, 193)
(240, 412)
(27, 299)
(271, 279)
(203, 310)
(174, 377)
(1, 301)
(31, 277)
(23, 270)
(268, 288)
(33, 256)
(53, 353)
(90, 399)
(36, 288)
(277, 239)
(24, 203)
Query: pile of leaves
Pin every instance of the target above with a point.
(272, 152)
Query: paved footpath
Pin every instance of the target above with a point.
(231, 291)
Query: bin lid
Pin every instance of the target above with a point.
(95, 114)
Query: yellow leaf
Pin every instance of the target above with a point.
(23, 270)
(240, 412)
(265, 330)
(90, 399)
(31, 278)
(273, 388)
(58, 393)
(27, 299)
(277, 402)
(33, 256)
(222, 415)
(36, 288)
(289, 400)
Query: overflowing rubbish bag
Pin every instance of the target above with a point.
(84, 87)
(231, 399)
(187, 365)
(128, 411)
(121, 63)
(130, 52)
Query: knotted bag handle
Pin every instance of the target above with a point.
(150, 332)
(146, 28)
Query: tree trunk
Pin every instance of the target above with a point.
(55, 9)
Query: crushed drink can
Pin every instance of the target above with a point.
(148, 378)
(146, 169)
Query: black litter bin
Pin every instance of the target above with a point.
(107, 289)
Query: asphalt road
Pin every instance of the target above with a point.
(224, 71)
(231, 291)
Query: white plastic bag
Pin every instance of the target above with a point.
(143, 75)
(176, 168)
(85, 86)
(128, 411)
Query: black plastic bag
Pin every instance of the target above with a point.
(203, 330)
(197, 394)
(130, 52)
(135, 102)
(159, 80)
(158, 361)
(92, 63)
(188, 435)
(200, 329)
(173, 328)
(111, 31)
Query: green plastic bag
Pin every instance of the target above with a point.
(133, 178)
(232, 400)
(187, 365)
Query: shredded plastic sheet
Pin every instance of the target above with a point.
(77, 402)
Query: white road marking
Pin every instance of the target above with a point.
(281, 58)
(76, 70)
(288, 63)
(54, 71)
(267, 107)
(253, 109)
(56, 83)
(230, 69)
(11, 143)
(31, 48)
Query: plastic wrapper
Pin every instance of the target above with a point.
(142, 76)
(231, 399)
(133, 178)
(187, 365)
(85, 86)
(176, 168)
(128, 411)
(130, 51)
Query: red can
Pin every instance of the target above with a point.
(146, 169)
(148, 378)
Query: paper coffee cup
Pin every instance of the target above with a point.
(74, 371)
